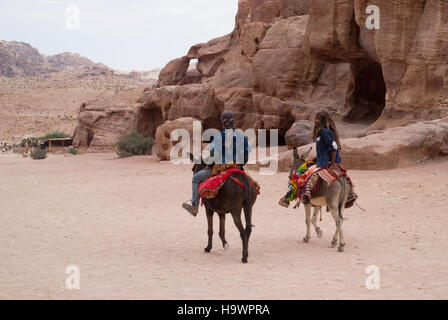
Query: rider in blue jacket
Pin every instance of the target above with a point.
(239, 154)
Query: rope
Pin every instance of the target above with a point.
(360, 207)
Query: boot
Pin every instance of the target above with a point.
(193, 210)
(284, 203)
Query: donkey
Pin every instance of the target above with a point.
(232, 198)
(333, 196)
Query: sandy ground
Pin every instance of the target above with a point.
(120, 221)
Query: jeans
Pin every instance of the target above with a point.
(197, 179)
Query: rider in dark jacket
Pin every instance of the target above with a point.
(327, 148)
(238, 156)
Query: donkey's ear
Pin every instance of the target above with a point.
(305, 156)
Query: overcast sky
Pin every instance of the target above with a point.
(122, 34)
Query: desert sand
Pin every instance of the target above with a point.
(121, 222)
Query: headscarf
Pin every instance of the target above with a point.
(227, 118)
(326, 122)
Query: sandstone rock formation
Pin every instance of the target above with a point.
(286, 59)
(101, 123)
(406, 59)
(163, 134)
(259, 72)
(395, 147)
(300, 134)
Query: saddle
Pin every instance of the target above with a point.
(209, 188)
(300, 182)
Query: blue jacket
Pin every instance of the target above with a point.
(325, 145)
(241, 148)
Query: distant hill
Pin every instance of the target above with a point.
(21, 59)
(41, 94)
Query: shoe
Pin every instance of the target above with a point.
(284, 203)
(193, 210)
(306, 199)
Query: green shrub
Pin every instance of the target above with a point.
(55, 135)
(28, 140)
(134, 144)
(73, 151)
(38, 154)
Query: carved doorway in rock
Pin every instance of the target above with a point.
(148, 121)
(366, 97)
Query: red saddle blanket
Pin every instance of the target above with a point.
(210, 187)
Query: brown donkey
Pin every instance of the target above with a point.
(232, 198)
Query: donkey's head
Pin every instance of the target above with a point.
(297, 161)
(196, 166)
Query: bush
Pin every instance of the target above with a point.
(73, 151)
(38, 154)
(134, 144)
(55, 135)
(29, 141)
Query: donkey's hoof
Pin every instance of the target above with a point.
(244, 260)
(334, 243)
(208, 250)
(320, 233)
(341, 248)
(306, 239)
(226, 246)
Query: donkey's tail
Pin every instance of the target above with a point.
(342, 197)
(248, 202)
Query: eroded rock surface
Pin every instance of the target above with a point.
(287, 59)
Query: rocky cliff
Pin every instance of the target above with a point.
(285, 59)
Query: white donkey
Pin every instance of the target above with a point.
(332, 196)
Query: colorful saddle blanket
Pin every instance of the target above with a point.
(299, 182)
(210, 187)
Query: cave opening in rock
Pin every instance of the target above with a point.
(282, 134)
(148, 121)
(366, 97)
(90, 136)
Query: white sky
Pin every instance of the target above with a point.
(122, 34)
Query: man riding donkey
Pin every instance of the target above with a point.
(231, 154)
(324, 184)
(328, 146)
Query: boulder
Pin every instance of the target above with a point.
(163, 136)
(101, 126)
(397, 147)
(174, 71)
(299, 134)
